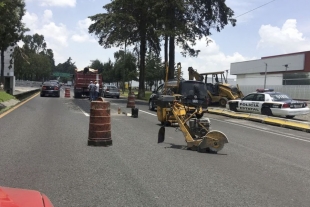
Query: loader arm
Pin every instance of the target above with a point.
(194, 74)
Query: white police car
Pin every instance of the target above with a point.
(270, 103)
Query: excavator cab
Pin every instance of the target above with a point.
(219, 90)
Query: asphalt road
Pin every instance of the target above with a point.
(44, 147)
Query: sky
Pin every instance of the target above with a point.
(279, 27)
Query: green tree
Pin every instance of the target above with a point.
(66, 67)
(182, 23)
(154, 69)
(34, 60)
(125, 67)
(127, 23)
(108, 72)
(11, 28)
(97, 64)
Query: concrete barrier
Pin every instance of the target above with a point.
(278, 121)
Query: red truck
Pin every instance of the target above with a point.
(82, 78)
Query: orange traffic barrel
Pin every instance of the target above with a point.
(99, 133)
(67, 92)
(131, 101)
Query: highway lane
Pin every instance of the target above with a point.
(44, 147)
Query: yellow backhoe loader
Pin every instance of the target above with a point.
(184, 108)
(219, 91)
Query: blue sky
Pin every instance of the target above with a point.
(276, 28)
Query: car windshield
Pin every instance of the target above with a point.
(197, 88)
(280, 97)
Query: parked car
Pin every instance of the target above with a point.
(172, 89)
(111, 91)
(16, 197)
(50, 89)
(270, 103)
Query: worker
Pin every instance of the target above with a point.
(91, 88)
(96, 90)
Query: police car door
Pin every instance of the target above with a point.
(260, 99)
(248, 103)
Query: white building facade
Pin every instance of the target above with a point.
(287, 73)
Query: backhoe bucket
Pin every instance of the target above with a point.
(213, 141)
(161, 134)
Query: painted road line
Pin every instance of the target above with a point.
(304, 139)
(18, 105)
(148, 113)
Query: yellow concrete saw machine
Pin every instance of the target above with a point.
(185, 108)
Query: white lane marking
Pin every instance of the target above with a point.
(86, 114)
(262, 130)
(148, 113)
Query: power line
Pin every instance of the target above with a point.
(254, 9)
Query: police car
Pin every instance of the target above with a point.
(270, 103)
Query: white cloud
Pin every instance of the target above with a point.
(48, 16)
(61, 3)
(56, 33)
(287, 39)
(31, 20)
(210, 59)
(82, 32)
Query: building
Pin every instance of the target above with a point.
(286, 69)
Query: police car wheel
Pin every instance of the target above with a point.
(290, 117)
(233, 107)
(266, 111)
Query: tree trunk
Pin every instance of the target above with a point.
(166, 49)
(171, 41)
(171, 58)
(2, 66)
(141, 93)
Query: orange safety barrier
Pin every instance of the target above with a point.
(99, 133)
(67, 93)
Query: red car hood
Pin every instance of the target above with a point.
(14, 197)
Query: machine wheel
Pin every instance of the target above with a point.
(151, 105)
(117, 96)
(266, 111)
(290, 117)
(223, 102)
(41, 95)
(233, 107)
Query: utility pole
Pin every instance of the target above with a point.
(265, 76)
(124, 67)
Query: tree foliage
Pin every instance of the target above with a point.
(130, 22)
(66, 67)
(34, 61)
(11, 28)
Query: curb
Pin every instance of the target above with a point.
(282, 122)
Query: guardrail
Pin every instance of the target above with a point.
(26, 94)
(282, 122)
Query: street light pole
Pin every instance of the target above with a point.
(265, 76)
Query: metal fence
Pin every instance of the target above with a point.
(294, 91)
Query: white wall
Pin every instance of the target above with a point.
(7, 58)
(274, 64)
(258, 79)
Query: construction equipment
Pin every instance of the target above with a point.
(219, 91)
(181, 89)
(184, 108)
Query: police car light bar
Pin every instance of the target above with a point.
(264, 90)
